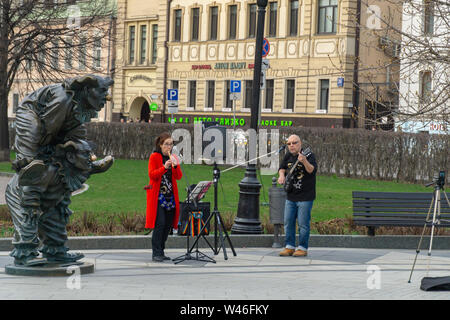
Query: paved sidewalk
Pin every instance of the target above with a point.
(255, 273)
(3, 182)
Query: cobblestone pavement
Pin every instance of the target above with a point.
(255, 274)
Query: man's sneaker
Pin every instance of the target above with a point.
(287, 252)
(158, 258)
(300, 253)
(166, 258)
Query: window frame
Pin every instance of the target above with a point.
(230, 25)
(334, 22)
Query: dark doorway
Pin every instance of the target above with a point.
(145, 112)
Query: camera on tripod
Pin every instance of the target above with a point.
(438, 181)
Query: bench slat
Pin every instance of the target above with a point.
(397, 195)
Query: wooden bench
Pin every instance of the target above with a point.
(401, 209)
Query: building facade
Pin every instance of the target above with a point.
(76, 50)
(424, 78)
(311, 57)
(140, 59)
(198, 47)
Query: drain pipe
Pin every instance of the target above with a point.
(166, 58)
(356, 65)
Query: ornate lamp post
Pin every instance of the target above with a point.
(247, 219)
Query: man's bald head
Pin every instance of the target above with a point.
(294, 144)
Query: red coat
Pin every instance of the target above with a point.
(155, 172)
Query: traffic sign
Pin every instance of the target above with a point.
(235, 96)
(340, 82)
(265, 64)
(173, 109)
(172, 94)
(266, 47)
(235, 86)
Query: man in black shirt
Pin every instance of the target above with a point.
(300, 197)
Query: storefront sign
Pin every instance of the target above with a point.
(201, 67)
(225, 121)
(230, 65)
(140, 77)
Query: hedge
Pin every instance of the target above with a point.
(358, 153)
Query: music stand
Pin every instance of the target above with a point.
(220, 230)
(194, 196)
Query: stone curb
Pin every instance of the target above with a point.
(6, 174)
(251, 241)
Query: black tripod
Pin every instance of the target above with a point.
(218, 223)
(436, 204)
(194, 214)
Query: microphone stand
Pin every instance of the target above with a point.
(264, 155)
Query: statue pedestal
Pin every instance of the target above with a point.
(51, 269)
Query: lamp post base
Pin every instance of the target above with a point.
(247, 219)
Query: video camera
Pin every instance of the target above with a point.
(439, 181)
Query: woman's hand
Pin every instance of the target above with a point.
(168, 164)
(174, 160)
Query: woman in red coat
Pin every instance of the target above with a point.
(163, 206)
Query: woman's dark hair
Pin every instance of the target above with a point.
(160, 140)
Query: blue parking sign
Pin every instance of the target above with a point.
(235, 86)
(172, 94)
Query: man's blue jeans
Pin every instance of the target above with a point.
(297, 211)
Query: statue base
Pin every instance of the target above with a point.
(51, 269)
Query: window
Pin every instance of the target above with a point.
(252, 20)
(327, 16)
(293, 17)
(428, 17)
(228, 101)
(248, 94)
(143, 52)
(15, 102)
(324, 94)
(195, 23)
(290, 94)
(175, 84)
(192, 94)
(213, 23)
(82, 53)
(68, 54)
(97, 52)
(154, 43)
(273, 19)
(132, 43)
(177, 29)
(425, 86)
(269, 94)
(232, 21)
(211, 91)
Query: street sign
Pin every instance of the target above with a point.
(154, 96)
(340, 82)
(172, 94)
(172, 103)
(265, 64)
(262, 84)
(153, 106)
(235, 86)
(266, 47)
(235, 96)
(173, 109)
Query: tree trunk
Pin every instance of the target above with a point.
(4, 134)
